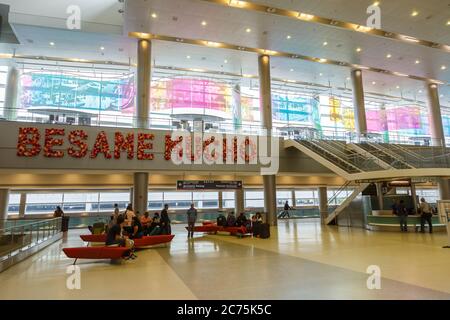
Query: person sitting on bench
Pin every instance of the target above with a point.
(114, 237)
(137, 230)
(146, 221)
(241, 220)
(231, 220)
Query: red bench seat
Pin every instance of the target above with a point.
(96, 253)
(138, 243)
(215, 228)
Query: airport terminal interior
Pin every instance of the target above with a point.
(305, 145)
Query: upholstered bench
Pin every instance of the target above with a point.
(112, 253)
(143, 242)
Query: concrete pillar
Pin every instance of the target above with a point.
(444, 189)
(414, 197)
(11, 92)
(239, 201)
(220, 199)
(294, 199)
(323, 204)
(358, 102)
(379, 186)
(435, 118)
(22, 204)
(140, 197)
(4, 199)
(143, 83)
(265, 100)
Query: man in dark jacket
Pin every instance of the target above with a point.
(165, 220)
(403, 215)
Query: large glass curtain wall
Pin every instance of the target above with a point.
(102, 202)
(106, 96)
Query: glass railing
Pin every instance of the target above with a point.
(165, 122)
(20, 235)
(299, 213)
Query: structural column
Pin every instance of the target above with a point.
(265, 100)
(140, 192)
(220, 198)
(358, 102)
(323, 204)
(143, 83)
(379, 186)
(239, 205)
(4, 199)
(444, 189)
(414, 197)
(435, 118)
(11, 91)
(23, 204)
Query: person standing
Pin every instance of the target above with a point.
(165, 220)
(403, 215)
(191, 218)
(58, 212)
(128, 216)
(425, 215)
(116, 212)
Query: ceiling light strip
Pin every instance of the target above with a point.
(329, 22)
(205, 43)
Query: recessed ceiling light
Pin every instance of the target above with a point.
(225, 61)
(102, 48)
(291, 70)
(448, 22)
(398, 87)
(376, 3)
(348, 79)
(325, 43)
(417, 61)
(374, 83)
(358, 49)
(188, 57)
(204, 23)
(248, 30)
(389, 56)
(321, 74)
(52, 43)
(414, 13)
(441, 96)
(420, 91)
(154, 15)
(443, 67)
(288, 37)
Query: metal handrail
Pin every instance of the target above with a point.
(338, 192)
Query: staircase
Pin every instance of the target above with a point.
(334, 214)
(368, 161)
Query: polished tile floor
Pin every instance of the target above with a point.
(301, 260)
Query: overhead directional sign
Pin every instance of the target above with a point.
(208, 185)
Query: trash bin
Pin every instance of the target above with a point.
(65, 224)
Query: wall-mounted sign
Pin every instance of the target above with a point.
(208, 185)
